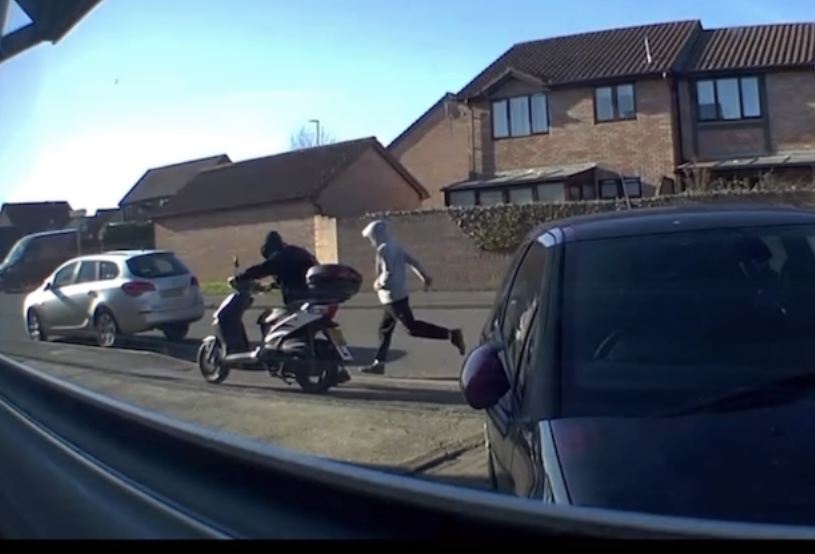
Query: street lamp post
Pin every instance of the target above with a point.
(316, 123)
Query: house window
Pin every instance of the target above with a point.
(490, 197)
(609, 189)
(633, 187)
(520, 116)
(461, 198)
(730, 99)
(551, 192)
(614, 103)
(520, 196)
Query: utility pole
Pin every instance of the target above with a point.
(316, 122)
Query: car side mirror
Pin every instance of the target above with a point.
(483, 380)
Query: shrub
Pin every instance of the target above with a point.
(503, 227)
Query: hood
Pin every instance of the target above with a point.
(755, 465)
(377, 232)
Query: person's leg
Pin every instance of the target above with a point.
(386, 327)
(423, 329)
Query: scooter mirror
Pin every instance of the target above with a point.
(235, 263)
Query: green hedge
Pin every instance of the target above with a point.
(503, 227)
(127, 235)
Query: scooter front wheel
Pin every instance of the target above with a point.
(211, 361)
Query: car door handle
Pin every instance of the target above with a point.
(92, 294)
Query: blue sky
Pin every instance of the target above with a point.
(144, 83)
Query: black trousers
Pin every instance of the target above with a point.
(400, 311)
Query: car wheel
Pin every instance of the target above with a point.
(176, 332)
(107, 330)
(36, 331)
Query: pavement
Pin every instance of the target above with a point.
(434, 300)
(409, 357)
(410, 421)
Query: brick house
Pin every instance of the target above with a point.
(226, 211)
(158, 185)
(622, 112)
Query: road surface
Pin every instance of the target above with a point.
(410, 357)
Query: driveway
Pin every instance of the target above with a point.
(410, 357)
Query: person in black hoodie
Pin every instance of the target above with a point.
(288, 265)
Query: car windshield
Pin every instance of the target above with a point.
(650, 321)
(16, 253)
(155, 266)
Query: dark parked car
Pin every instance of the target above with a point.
(34, 257)
(659, 361)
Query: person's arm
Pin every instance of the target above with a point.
(417, 268)
(383, 267)
(266, 268)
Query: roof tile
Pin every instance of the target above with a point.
(593, 56)
(759, 46)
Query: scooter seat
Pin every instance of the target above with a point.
(275, 314)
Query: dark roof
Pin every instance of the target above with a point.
(51, 21)
(629, 223)
(587, 57)
(760, 46)
(545, 174)
(790, 159)
(30, 217)
(161, 182)
(295, 175)
(421, 119)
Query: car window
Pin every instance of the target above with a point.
(65, 276)
(522, 301)
(153, 266)
(108, 271)
(529, 356)
(88, 271)
(503, 290)
(669, 317)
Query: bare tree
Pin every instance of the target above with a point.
(307, 136)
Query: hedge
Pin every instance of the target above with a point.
(503, 227)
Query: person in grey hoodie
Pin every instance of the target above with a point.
(391, 288)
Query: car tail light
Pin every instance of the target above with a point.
(194, 281)
(137, 288)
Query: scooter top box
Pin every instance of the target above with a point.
(334, 282)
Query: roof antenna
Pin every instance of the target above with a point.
(648, 57)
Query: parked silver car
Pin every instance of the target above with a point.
(114, 294)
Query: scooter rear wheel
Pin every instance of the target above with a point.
(312, 382)
(210, 361)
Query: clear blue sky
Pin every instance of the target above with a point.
(143, 83)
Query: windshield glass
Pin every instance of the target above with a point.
(668, 318)
(16, 253)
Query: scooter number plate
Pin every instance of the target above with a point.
(338, 339)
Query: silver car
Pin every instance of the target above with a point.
(114, 294)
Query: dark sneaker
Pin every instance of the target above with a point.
(457, 338)
(343, 376)
(376, 368)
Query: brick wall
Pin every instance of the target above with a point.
(451, 258)
(207, 243)
(455, 262)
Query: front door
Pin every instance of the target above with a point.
(55, 307)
